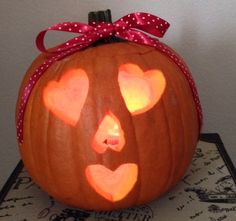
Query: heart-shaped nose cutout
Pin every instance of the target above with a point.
(108, 135)
(140, 90)
(65, 99)
(112, 185)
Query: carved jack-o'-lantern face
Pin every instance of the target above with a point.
(109, 127)
(140, 90)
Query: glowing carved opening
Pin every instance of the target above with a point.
(112, 185)
(109, 135)
(140, 90)
(65, 99)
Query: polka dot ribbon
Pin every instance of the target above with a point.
(142, 28)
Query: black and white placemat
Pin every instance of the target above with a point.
(207, 192)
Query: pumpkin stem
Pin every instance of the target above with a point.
(102, 16)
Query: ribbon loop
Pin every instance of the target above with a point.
(73, 27)
(146, 22)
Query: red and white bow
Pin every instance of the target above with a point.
(140, 27)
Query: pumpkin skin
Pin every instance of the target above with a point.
(160, 141)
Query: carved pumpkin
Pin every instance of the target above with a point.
(109, 127)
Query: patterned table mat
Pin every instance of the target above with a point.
(207, 192)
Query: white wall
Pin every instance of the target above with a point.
(204, 32)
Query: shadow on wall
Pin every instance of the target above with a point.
(210, 52)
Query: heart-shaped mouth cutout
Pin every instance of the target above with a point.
(65, 99)
(112, 185)
(140, 90)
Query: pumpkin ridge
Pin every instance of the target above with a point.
(170, 175)
(137, 186)
(179, 109)
(53, 188)
(139, 195)
(177, 165)
(58, 72)
(51, 120)
(169, 82)
(80, 61)
(29, 141)
(192, 87)
(48, 119)
(185, 146)
(135, 46)
(75, 167)
(138, 52)
(175, 90)
(92, 95)
(139, 181)
(95, 100)
(181, 78)
(32, 110)
(169, 179)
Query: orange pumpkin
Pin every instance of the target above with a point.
(109, 127)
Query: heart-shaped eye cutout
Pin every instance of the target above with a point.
(140, 90)
(65, 99)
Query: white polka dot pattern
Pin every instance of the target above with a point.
(132, 27)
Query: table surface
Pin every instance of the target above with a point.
(206, 192)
